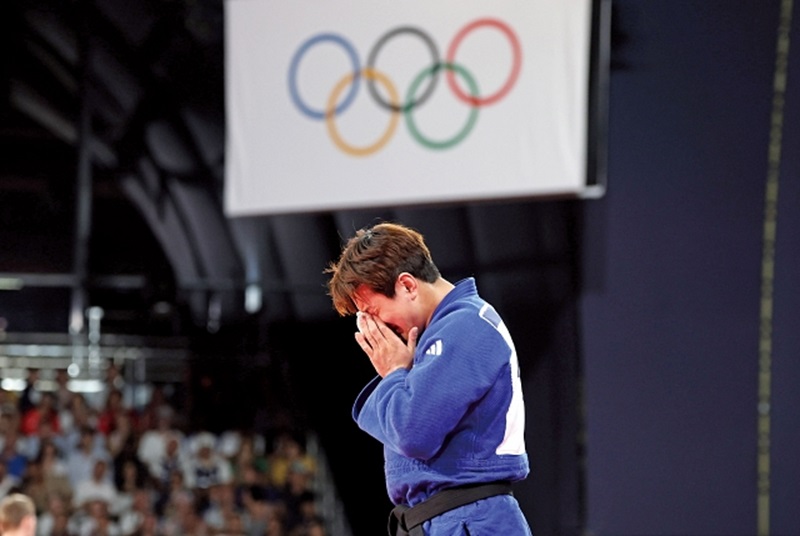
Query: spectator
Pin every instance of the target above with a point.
(97, 520)
(206, 467)
(55, 520)
(54, 470)
(114, 381)
(275, 523)
(75, 418)
(255, 485)
(300, 500)
(107, 416)
(288, 451)
(9, 420)
(44, 434)
(62, 392)
(122, 440)
(163, 470)
(312, 527)
(30, 395)
(81, 460)
(222, 509)
(83, 472)
(43, 412)
(229, 443)
(150, 413)
(131, 475)
(12, 453)
(249, 455)
(181, 517)
(263, 514)
(8, 483)
(33, 485)
(98, 487)
(17, 516)
(150, 527)
(153, 441)
(9, 402)
(135, 519)
(234, 524)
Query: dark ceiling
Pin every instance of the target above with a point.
(112, 129)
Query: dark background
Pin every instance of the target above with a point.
(637, 316)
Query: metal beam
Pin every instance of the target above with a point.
(83, 192)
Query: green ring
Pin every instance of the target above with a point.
(473, 116)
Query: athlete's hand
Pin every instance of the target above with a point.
(386, 350)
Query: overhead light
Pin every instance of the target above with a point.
(11, 283)
(252, 298)
(76, 386)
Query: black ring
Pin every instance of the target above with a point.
(373, 55)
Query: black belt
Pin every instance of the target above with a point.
(405, 521)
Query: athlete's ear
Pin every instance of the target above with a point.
(406, 284)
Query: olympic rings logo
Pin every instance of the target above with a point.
(336, 105)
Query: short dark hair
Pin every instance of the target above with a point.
(374, 257)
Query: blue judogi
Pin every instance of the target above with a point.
(457, 417)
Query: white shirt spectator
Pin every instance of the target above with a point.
(96, 488)
(96, 520)
(206, 467)
(153, 443)
(81, 460)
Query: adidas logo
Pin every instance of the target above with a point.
(435, 348)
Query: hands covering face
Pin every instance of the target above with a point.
(385, 348)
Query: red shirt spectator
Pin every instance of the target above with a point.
(44, 411)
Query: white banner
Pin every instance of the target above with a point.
(339, 104)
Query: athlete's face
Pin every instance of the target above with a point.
(399, 313)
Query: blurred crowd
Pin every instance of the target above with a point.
(102, 464)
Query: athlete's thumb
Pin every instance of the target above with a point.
(413, 333)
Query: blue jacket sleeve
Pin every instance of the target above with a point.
(414, 411)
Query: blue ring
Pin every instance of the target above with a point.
(310, 112)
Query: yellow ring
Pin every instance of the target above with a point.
(330, 111)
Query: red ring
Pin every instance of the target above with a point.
(451, 54)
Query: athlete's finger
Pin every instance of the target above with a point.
(363, 342)
(413, 333)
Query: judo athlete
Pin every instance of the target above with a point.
(447, 402)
